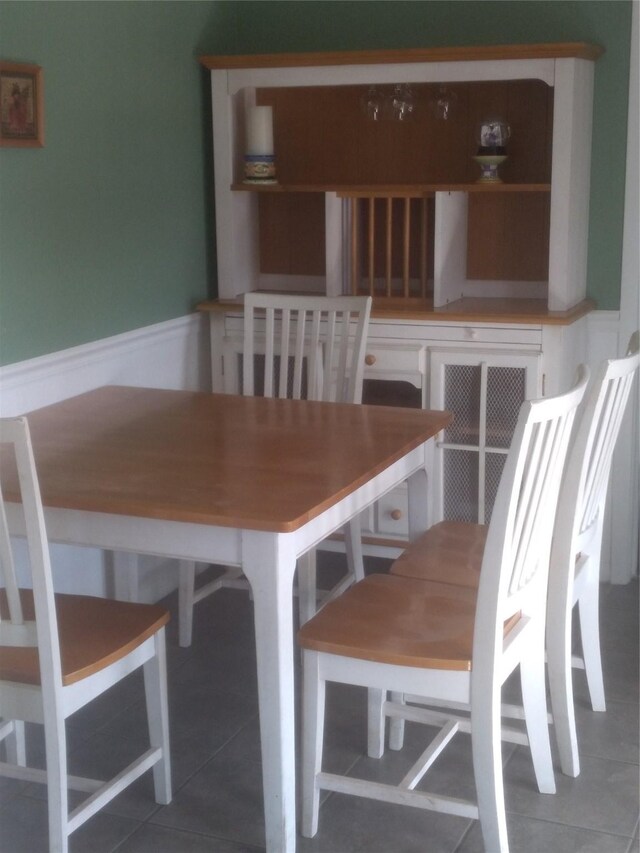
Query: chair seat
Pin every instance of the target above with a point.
(449, 552)
(397, 620)
(94, 633)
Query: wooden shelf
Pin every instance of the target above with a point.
(392, 190)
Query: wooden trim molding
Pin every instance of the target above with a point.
(580, 50)
(466, 310)
(409, 190)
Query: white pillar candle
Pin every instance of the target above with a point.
(260, 130)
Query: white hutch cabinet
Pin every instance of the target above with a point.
(479, 288)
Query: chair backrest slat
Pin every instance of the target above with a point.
(285, 327)
(268, 359)
(330, 388)
(17, 455)
(314, 338)
(8, 568)
(298, 359)
(608, 415)
(314, 356)
(516, 557)
(586, 479)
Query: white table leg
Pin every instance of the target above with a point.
(126, 576)
(420, 497)
(216, 336)
(269, 562)
(420, 519)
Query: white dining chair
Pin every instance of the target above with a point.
(451, 643)
(295, 347)
(451, 551)
(59, 652)
(574, 577)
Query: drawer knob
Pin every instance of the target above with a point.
(369, 359)
(396, 514)
(471, 334)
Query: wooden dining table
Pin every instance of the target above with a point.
(232, 480)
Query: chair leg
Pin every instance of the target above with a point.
(57, 793)
(376, 722)
(589, 608)
(155, 686)
(534, 700)
(187, 570)
(307, 589)
(313, 707)
(487, 764)
(353, 544)
(126, 575)
(561, 688)
(16, 745)
(396, 725)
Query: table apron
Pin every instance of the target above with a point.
(312, 533)
(202, 542)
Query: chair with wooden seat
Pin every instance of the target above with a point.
(574, 577)
(296, 347)
(451, 551)
(453, 644)
(59, 652)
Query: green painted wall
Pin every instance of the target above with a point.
(108, 227)
(105, 228)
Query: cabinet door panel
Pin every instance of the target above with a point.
(462, 388)
(460, 484)
(484, 390)
(505, 393)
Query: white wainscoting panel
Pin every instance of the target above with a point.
(173, 354)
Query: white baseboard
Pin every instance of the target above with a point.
(173, 354)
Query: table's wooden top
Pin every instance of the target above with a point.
(245, 462)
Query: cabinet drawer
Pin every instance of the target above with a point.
(481, 334)
(394, 359)
(393, 513)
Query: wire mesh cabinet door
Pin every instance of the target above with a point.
(484, 390)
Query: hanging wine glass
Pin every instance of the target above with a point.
(372, 103)
(443, 103)
(402, 104)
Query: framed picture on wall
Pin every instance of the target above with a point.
(21, 105)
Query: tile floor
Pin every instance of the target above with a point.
(217, 804)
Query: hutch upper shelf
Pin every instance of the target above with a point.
(394, 207)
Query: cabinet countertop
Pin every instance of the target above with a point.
(469, 53)
(466, 310)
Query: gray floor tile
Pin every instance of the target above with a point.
(217, 770)
(355, 825)
(23, 826)
(538, 836)
(9, 788)
(23, 829)
(224, 800)
(159, 839)
(604, 797)
(613, 734)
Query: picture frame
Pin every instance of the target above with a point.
(21, 105)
